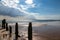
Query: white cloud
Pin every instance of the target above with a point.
(30, 4)
(15, 4)
(22, 8)
(26, 7)
(10, 3)
(18, 18)
(16, 1)
(29, 1)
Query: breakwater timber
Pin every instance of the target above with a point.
(6, 31)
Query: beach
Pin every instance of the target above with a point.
(41, 30)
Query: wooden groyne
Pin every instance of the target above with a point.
(6, 30)
(16, 31)
(30, 31)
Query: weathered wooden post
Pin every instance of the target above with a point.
(30, 31)
(6, 26)
(10, 31)
(3, 23)
(16, 31)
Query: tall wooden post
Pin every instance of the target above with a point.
(30, 31)
(10, 31)
(6, 26)
(16, 31)
(3, 23)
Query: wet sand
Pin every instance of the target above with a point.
(45, 31)
(41, 31)
(51, 31)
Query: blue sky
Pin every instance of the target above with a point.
(34, 9)
(46, 7)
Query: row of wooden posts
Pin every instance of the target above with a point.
(5, 26)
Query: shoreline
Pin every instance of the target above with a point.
(41, 31)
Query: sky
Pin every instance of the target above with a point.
(30, 9)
